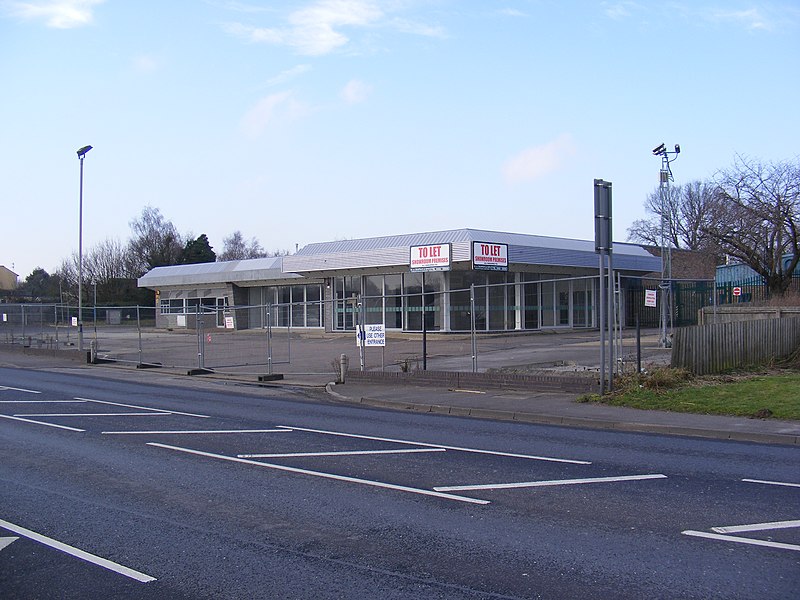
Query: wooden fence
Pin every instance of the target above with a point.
(715, 348)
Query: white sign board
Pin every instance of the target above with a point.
(229, 322)
(5, 317)
(433, 257)
(489, 257)
(650, 298)
(374, 335)
(74, 321)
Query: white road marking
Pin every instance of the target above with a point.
(378, 484)
(7, 541)
(528, 484)
(741, 540)
(6, 387)
(772, 482)
(42, 401)
(41, 423)
(77, 553)
(136, 414)
(412, 443)
(203, 432)
(757, 527)
(351, 453)
(173, 412)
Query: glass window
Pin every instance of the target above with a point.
(314, 305)
(373, 299)
(394, 301)
(298, 306)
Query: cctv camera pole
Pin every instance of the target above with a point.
(665, 176)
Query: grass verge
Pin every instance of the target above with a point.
(757, 395)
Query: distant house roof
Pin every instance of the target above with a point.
(522, 249)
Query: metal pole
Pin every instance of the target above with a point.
(80, 262)
(472, 328)
(139, 329)
(269, 339)
(610, 306)
(638, 343)
(424, 328)
(601, 313)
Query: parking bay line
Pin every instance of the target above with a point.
(412, 443)
(529, 484)
(197, 432)
(15, 389)
(172, 412)
(757, 527)
(138, 414)
(772, 482)
(741, 540)
(345, 453)
(42, 423)
(77, 553)
(368, 482)
(42, 401)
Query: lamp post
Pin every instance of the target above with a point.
(81, 153)
(665, 177)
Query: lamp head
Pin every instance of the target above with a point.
(660, 149)
(83, 151)
(677, 148)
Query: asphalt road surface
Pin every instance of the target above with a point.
(119, 488)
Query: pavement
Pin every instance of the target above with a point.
(524, 406)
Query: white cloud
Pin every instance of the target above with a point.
(145, 63)
(279, 106)
(317, 29)
(288, 75)
(750, 19)
(59, 14)
(355, 92)
(619, 10)
(535, 162)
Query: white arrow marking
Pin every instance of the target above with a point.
(5, 542)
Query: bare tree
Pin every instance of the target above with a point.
(104, 267)
(236, 248)
(686, 211)
(756, 218)
(155, 242)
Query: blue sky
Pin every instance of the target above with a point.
(301, 121)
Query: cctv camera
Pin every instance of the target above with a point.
(660, 149)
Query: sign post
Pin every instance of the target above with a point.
(603, 246)
(422, 259)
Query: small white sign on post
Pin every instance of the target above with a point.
(228, 322)
(373, 335)
(651, 298)
(74, 321)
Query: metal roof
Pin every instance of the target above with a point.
(522, 249)
(232, 271)
(389, 251)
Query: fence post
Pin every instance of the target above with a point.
(139, 330)
(269, 338)
(472, 328)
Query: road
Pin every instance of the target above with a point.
(121, 488)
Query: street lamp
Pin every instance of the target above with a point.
(81, 153)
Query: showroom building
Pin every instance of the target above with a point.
(504, 281)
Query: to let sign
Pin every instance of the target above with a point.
(432, 257)
(489, 257)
